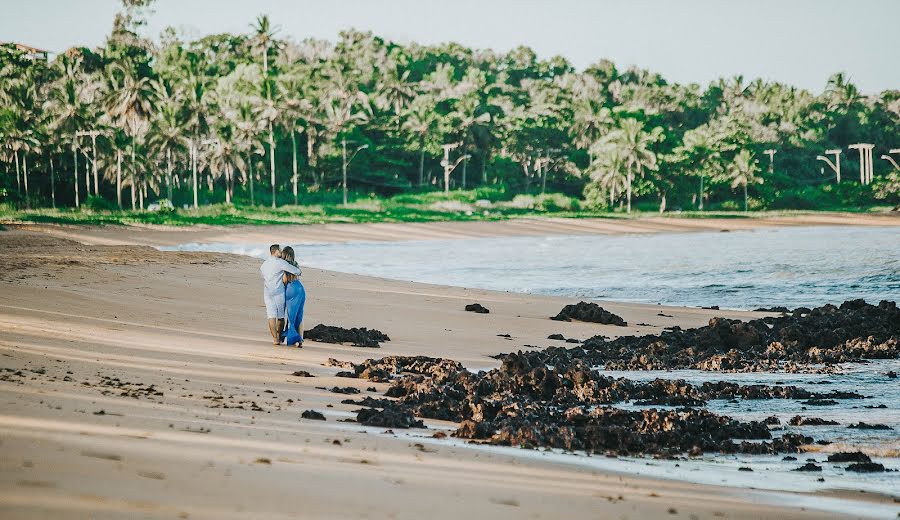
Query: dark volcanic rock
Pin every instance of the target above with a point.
(780, 309)
(820, 402)
(369, 338)
(866, 467)
(312, 414)
(827, 335)
(477, 307)
(302, 373)
(528, 404)
(344, 390)
(809, 466)
(810, 421)
(584, 311)
(844, 456)
(557, 336)
(388, 418)
(867, 426)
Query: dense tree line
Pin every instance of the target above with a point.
(266, 120)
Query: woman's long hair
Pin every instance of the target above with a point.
(287, 254)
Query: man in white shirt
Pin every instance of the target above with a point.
(273, 290)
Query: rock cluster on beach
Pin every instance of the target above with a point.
(358, 337)
(558, 398)
(826, 335)
(527, 405)
(584, 311)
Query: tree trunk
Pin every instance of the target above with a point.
(18, 175)
(628, 187)
(421, 161)
(194, 173)
(169, 174)
(94, 166)
(75, 156)
(701, 192)
(25, 178)
(133, 196)
(745, 196)
(484, 160)
(119, 177)
(465, 166)
(272, 162)
(52, 184)
(662, 202)
(294, 178)
(310, 153)
(545, 170)
(142, 189)
(250, 178)
(228, 185)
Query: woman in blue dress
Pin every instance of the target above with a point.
(294, 301)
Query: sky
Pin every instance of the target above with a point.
(799, 42)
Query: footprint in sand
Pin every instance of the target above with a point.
(101, 455)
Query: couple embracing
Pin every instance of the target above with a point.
(284, 296)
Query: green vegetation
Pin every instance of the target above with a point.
(424, 207)
(213, 130)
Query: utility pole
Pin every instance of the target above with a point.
(836, 165)
(93, 135)
(346, 162)
(865, 161)
(448, 168)
(771, 154)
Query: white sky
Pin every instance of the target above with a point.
(800, 42)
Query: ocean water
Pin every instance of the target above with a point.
(792, 266)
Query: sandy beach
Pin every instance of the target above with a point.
(141, 384)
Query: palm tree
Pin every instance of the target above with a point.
(394, 90)
(609, 173)
(263, 40)
(742, 171)
(130, 104)
(633, 144)
(68, 104)
(420, 123)
(590, 118)
(195, 95)
(168, 128)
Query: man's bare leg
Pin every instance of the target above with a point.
(281, 326)
(275, 330)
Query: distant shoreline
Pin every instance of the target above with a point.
(166, 235)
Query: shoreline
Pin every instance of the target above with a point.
(140, 315)
(157, 235)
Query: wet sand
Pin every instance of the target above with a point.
(141, 384)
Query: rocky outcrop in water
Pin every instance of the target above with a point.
(584, 311)
(358, 337)
(826, 335)
(810, 421)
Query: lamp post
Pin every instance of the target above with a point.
(887, 157)
(93, 135)
(346, 162)
(448, 168)
(836, 165)
(771, 154)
